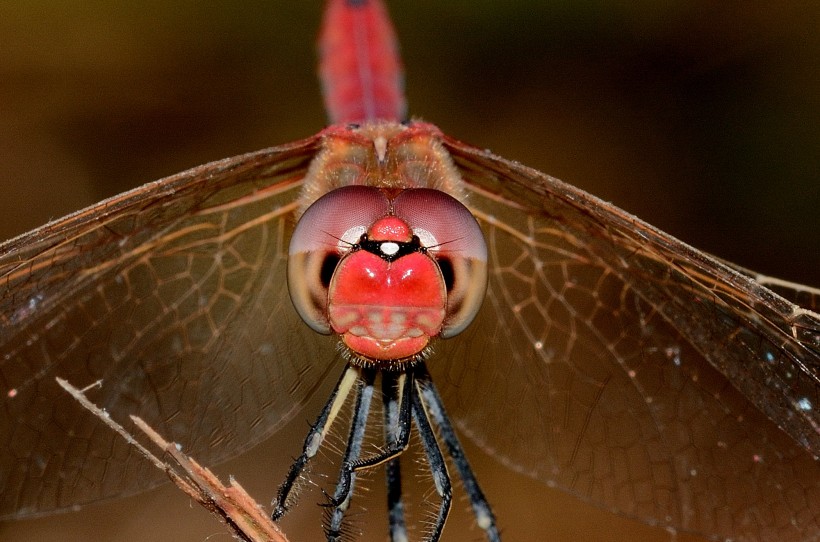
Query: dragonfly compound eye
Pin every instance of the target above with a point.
(327, 231)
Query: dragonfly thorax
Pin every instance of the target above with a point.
(389, 155)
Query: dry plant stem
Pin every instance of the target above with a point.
(232, 505)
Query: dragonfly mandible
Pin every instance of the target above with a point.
(672, 356)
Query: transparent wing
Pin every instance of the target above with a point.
(174, 297)
(625, 367)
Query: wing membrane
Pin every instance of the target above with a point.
(170, 295)
(644, 375)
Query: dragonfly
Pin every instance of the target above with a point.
(665, 349)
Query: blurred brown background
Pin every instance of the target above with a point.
(699, 117)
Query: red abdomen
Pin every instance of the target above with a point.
(359, 63)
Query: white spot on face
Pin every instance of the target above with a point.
(538, 345)
(631, 373)
(389, 248)
(693, 472)
(374, 318)
(426, 238)
(398, 318)
(350, 237)
(804, 404)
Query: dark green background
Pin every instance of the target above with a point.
(699, 117)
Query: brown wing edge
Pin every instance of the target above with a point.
(157, 192)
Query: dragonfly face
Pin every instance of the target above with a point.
(660, 347)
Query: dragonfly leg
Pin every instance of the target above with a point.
(314, 439)
(395, 506)
(342, 496)
(438, 468)
(392, 449)
(431, 400)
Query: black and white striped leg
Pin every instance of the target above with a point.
(438, 468)
(361, 410)
(315, 437)
(432, 402)
(393, 449)
(395, 505)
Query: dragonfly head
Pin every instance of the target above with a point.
(387, 270)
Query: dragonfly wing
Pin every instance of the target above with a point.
(801, 295)
(174, 296)
(631, 369)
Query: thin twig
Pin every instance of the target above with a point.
(246, 519)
